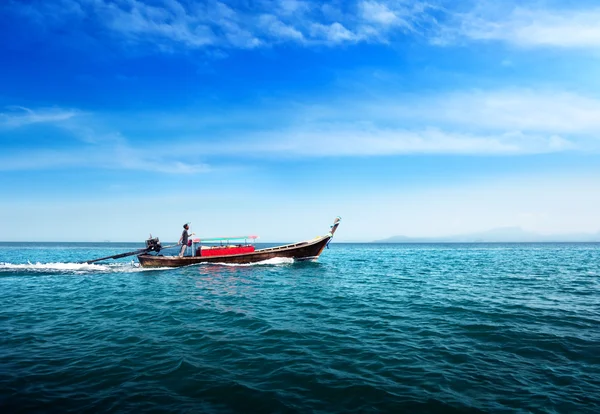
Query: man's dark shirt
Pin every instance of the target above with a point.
(184, 237)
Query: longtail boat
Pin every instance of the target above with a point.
(235, 253)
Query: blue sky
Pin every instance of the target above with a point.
(419, 118)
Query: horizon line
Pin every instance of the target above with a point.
(337, 242)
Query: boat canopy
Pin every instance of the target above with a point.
(222, 239)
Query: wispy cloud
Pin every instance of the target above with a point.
(91, 145)
(111, 157)
(497, 122)
(292, 143)
(17, 116)
(349, 141)
(140, 22)
(124, 156)
(276, 28)
(412, 16)
(174, 24)
(526, 27)
(333, 33)
(378, 13)
(291, 7)
(539, 111)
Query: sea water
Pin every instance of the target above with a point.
(367, 328)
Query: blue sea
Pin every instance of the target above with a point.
(431, 328)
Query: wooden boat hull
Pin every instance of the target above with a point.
(298, 251)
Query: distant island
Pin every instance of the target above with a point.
(499, 235)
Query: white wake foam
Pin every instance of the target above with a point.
(120, 267)
(277, 261)
(71, 267)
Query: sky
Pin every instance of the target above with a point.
(272, 117)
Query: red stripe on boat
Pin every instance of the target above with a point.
(225, 251)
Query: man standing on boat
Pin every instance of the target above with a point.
(183, 240)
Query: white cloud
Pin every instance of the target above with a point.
(172, 24)
(17, 116)
(117, 157)
(89, 146)
(344, 140)
(523, 27)
(278, 29)
(289, 7)
(354, 141)
(333, 33)
(545, 111)
(501, 122)
(141, 20)
(124, 156)
(498, 122)
(495, 122)
(377, 13)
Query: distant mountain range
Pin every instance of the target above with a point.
(499, 235)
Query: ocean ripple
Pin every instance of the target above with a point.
(368, 328)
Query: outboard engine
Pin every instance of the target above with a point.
(153, 244)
